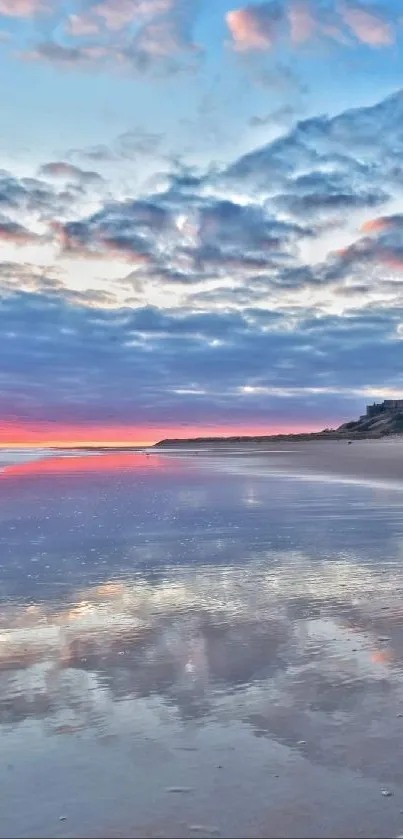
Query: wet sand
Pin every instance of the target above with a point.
(366, 460)
(362, 460)
(201, 647)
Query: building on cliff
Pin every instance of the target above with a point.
(388, 405)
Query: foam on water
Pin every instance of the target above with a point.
(10, 456)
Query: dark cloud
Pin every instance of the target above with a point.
(328, 201)
(24, 193)
(23, 199)
(130, 229)
(69, 357)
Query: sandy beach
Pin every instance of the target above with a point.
(366, 460)
(202, 647)
(362, 460)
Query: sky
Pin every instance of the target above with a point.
(201, 216)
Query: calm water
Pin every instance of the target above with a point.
(192, 648)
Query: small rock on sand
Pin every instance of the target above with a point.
(179, 789)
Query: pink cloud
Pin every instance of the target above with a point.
(81, 25)
(254, 27)
(392, 259)
(376, 225)
(163, 39)
(60, 169)
(116, 14)
(302, 22)
(21, 8)
(16, 234)
(368, 27)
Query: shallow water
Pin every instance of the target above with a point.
(191, 648)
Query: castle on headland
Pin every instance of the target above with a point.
(388, 406)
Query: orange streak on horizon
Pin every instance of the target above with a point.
(20, 434)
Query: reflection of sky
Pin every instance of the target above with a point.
(62, 531)
(181, 582)
(138, 598)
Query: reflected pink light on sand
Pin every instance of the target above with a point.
(73, 465)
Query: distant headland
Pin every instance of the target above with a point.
(381, 419)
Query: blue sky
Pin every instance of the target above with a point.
(200, 215)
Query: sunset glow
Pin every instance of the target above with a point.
(46, 435)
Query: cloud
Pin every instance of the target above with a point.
(250, 276)
(74, 361)
(338, 156)
(259, 27)
(163, 40)
(117, 14)
(328, 199)
(125, 36)
(383, 246)
(255, 27)
(69, 56)
(22, 8)
(369, 25)
(66, 171)
(181, 233)
(303, 23)
(78, 242)
(81, 26)
(157, 36)
(29, 206)
(15, 233)
(137, 142)
(284, 115)
(23, 193)
(126, 230)
(130, 145)
(383, 223)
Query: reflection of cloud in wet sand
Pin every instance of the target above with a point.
(287, 648)
(87, 464)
